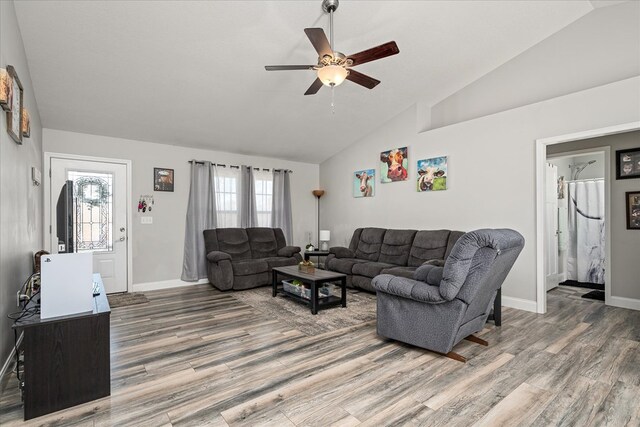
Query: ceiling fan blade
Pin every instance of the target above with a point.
(319, 40)
(288, 67)
(362, 79)
(314, 88)
(378, 52)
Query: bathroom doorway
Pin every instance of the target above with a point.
(575, 203)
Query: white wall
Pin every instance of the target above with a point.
(20, 201)
(599, 48)
(625, 244)
(158, 248)
(491, 172)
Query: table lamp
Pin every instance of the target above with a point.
(325, 236)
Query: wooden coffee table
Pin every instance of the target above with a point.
(315, 280)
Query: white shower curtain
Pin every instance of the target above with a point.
(585, 259)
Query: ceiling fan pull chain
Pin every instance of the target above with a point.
(333, 105)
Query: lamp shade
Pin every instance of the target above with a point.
(332, 75)
(325, 235)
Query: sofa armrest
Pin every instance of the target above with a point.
(217, 256)
(429, 274)
(434, 262)
(408, 288)
(288, 251)
(342, 252)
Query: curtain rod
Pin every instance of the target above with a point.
(201, 162)
(586, 179)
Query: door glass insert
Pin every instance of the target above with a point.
(92, 210)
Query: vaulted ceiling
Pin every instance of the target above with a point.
(192, 73)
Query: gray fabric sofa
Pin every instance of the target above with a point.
(374, 251)
(242, 258)
(441, 306)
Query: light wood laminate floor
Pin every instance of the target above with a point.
(196, 356)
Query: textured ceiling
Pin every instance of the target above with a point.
(192, 73)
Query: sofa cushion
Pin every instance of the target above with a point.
(235, 242)
(453, 238)
(370, 243)
(362, 282)
(248, 267)
(280, 261)
(369, 269)
(407, 272)
(396, 246)
(342, 265)
(428, 245)
(263, 242)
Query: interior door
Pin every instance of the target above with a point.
(97, 215)
(551, 226)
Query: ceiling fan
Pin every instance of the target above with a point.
(334, 67)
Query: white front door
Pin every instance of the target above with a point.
(89, 214)
(551, 226)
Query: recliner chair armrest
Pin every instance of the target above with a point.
(429, 274)
(434, 262)
(217, 256)
(342, 252)
(408, 288)
(288, 251)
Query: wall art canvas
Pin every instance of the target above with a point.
(393, 165)
(15, 102)
(162, 179)
(628, 163)
(364, 182)
(432, 174)
(633, 210)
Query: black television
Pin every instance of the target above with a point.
(64, 218)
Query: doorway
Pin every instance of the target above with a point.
(87, 209)
(575, 198)
(543, 234)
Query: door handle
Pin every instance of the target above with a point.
(122, 239)
(122, 229)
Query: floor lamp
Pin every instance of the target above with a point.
(318, 194)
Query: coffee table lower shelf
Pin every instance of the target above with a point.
(315, 280)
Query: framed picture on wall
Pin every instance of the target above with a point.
(633, 210)
(393, 165)
(15, 103)
(364, 183)
(628, 163)
(162, 179)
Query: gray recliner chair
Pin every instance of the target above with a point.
(443, 305)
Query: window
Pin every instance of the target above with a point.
(92, 210)
(264, 195)
(227, 181)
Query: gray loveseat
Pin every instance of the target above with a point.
(242, 258)
(374, 251)
(441, 306)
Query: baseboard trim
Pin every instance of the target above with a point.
(12, 356)
(165, 284)
(520, 304)
(623, 302)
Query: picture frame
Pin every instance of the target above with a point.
(26, 124)
(633, 210)
(628, 163)
(163, 179)
(394, 164)
(364, 183)
(15, 102)
(432, 174)
(5, 89)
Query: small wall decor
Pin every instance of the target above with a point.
(162, 179)
(628, 163)
(5, 89)
(633, 210)
(432, 174)
(26, 123)
(364, 182)
(15, 103)
(393, 165)
(145, 203)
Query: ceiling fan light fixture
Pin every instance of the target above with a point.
(332, 75)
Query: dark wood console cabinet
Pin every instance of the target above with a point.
(66, 359)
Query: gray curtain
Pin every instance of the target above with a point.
(201, 215)
(281, 204)
(247, 197)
